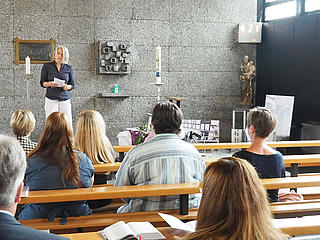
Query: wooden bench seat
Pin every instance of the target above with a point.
(105, 219)
(291, 226)
(111, 192)
(101, 220)
(295, 209)
(299, 226)
(300, 160)
(209, 146)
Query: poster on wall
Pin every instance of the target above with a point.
(201, 131)
(282, 107)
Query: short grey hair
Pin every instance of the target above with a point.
(65, 53)
(12, 169)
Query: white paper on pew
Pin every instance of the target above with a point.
(293, 222)
(177, 223)
(59, 82)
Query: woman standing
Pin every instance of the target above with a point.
(58, 96)
(54, 164)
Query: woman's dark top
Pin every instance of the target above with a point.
(49, 72)
(267, 166)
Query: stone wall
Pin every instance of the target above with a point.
(200, 56)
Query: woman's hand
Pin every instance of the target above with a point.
(66, 87)
(50, 84)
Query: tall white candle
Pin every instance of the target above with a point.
(158, 65)
(27, 65)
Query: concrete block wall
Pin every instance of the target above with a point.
(200, 56)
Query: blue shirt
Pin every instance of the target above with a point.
(49, 72)
(267, 166)
(165, 159)
(41, 175)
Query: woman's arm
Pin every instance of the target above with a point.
(70, 84)
(44, 78)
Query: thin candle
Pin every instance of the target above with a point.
(27, 65)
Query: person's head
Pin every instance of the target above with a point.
(261, 122)
(12, 169)
(245, 59)
(56, 146)
(91, 137)
(234, 203)
(61, 54)
(166, 118)
(22, 122)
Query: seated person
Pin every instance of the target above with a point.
(91, 139)
(12, 169)
(234, 204)
(164, 159)
(267, 161)
(54, 164)
(22, 123)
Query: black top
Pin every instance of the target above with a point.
(49, 72)
(267, 166)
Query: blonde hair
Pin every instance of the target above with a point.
(56, 147)
(91, 138)
(65, 52)
(234, 204)
(22, 122)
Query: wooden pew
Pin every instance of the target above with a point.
(289, 160)
(291, 182)
(295, 209)
(111, 192)
(299, 226)
(102, 220)
(291, 226)
(207, 146)
(107, 167)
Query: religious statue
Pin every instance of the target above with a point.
(247, 75)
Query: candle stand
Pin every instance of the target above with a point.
(28, 77)
(158, 90)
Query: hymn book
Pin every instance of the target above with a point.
(132, 230)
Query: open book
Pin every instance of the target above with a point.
(132, 230)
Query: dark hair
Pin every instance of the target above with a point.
(263, 121)
(166, 118)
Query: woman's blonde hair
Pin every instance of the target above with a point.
(91, 137)
(234, 204)
(56, 147)
(65, 52)
(22, 122)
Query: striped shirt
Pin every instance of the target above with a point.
(26, 143)
(165, 159)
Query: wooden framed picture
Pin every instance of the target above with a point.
(39, 51)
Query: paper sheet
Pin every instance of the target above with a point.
(177, 223)
(59, 82)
